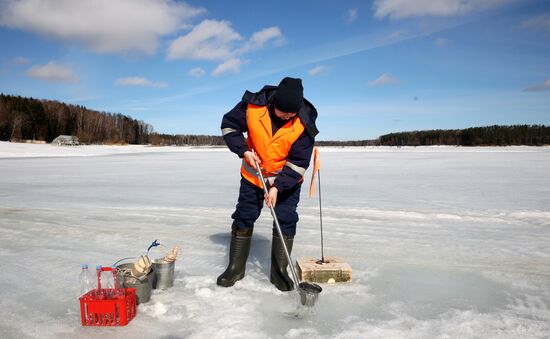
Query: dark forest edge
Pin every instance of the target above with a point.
(27, 118)
(515, 135)
(33, 119)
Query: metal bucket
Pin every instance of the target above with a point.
(143, 287)
(164, 273)
(309, 293)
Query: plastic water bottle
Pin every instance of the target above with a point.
(86, 280)
(118, 283)
(99, 289)
(107, 284)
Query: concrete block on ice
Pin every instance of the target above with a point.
(333, 270)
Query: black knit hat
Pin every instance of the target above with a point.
(289, 96)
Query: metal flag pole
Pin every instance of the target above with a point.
(321, 217)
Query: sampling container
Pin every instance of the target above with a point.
(142, 286)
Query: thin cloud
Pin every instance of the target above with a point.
(401, 9)
(20, 61)
(217, 40)
(397, 35)
(139, 81)
(230, 66)
(545, 86)
(384, 79)
(53, 72)
(209, 40)
(352, 15)
(539, 22)
(259, 39)
(197, 72)
(317, 70)
(103, 26)
(9, 65)
(441, 42)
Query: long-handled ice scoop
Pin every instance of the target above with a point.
(308, 292)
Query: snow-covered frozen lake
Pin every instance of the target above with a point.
(444, 242)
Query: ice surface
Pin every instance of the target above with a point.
(445, 242)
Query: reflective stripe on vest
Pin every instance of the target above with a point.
(272, 149)
(270, 177)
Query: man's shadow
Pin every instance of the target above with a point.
(260, 250)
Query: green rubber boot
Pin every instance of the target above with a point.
(279, 263)
(238, 254)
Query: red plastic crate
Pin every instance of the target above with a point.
(118, 311)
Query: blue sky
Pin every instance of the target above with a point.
(370, 67)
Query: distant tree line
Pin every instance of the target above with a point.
(374, 142)
(186, 140)
(27, 118)
(531, 135)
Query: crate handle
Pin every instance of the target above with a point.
(106, 269)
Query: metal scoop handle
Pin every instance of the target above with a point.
(294, 274)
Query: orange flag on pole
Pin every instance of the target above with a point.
(316, 166)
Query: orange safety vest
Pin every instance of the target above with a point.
(271, 149)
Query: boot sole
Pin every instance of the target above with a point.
(228, 283)
(290, 288)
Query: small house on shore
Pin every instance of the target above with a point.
(66, 140)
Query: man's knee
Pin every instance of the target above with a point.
(287, 214)
(242, 231)
(288, 218)
(242, 224)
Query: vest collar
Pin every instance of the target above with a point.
(265, 120)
